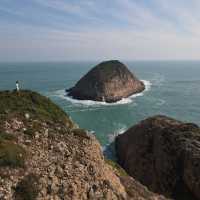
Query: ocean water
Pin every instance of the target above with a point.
(173, 89)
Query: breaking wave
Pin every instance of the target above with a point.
(111, 137)
(109, 149)
(62, 94)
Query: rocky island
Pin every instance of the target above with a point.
(44, 155)
(109, 81)
(163, 154)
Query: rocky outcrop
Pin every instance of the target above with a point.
(137, 191)
(163, 154)
(109, 81)
(45, 156)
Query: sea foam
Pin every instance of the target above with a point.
(111, 137)
(62, 94)
(109, 149)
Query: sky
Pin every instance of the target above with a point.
(66, 30)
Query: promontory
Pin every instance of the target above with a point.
(109, 81)
(44, 155)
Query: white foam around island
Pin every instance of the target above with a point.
(62, 94)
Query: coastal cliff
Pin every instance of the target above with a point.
(44, 155)
(109, 81)
(163, 154)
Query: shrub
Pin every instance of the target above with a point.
(11, 154)
(6, 136)
(27, 188)
(30, 132)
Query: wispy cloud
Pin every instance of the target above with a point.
(91, 29)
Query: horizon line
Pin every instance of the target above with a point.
(101, 60)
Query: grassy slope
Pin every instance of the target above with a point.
(15, 104)
(38, 106)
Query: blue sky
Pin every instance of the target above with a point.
(58, 30)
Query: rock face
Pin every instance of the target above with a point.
(163, 154)
(109, 81)
(45, 156)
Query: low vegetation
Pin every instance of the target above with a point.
(36, 105)
(27, 188)
(34, 127)
(6, 136)
(81, 133)
(11, 154)
(117, 168)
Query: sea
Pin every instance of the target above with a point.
(172, 89)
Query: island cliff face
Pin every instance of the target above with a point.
(44, 155)
(109, 81)
(163, 154)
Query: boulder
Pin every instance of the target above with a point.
(163, 154)
(109, 81)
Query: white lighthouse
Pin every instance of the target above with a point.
(17, 85)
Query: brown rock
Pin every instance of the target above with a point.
(163, 154)
(67, 164)
(109, 81)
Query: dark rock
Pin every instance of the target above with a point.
(163, 154)
(138, 191)
(109, 81)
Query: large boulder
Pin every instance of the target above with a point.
(163, 154)
(109, 81)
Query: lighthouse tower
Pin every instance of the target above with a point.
(17, 85)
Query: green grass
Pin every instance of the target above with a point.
(117, 168)
(11, 154)
(36, 105)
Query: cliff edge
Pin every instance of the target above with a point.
(45, 156)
